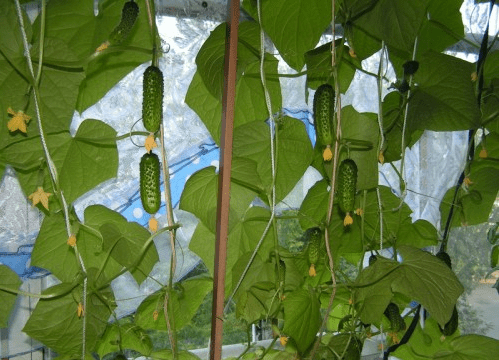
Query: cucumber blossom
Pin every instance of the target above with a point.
(128, 17)
(393, 314)
(323, 118)
(347, 182)
(314, 236)
(150, 193)
(152, 98)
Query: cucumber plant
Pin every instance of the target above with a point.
(266, 280)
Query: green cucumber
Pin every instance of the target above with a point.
(314, 236)
(152, 98)
(150, 193)
(347, 183)
(451, 326)
(392, 312)
(128, 17)
(323, 118)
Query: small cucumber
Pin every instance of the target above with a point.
(314, 236)
(347, 183)
(323, 118)
(451, 326)
(128, 17)
(392, 312)
(150, 193)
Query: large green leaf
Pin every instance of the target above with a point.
(421, 276)
(55, 322)
(243, 238)
(200, 196)
(302, 317)
(319, 66)
(443, 99)
(210, 59)
(294, 152)
(126, 336)
(27, 158)
(470, 347)
(256, 297)
(124, 240)
(102, 72)
(295, 26)
(51, 251)
(250, 102)
(91, 159)
(186, 299)
(11, 43)
(406, 19)
(9, 280)
(314, 207)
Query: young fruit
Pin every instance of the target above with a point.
(393, 314)
(323, 118)
(152, 98)
(451, 326)
(314, 236)
(150, 194)
(442, 255)
(347, 182)
(128, 17)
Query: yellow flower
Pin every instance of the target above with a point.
(327, 154)
(283, 340)
(155, 315)
(150, 143)
(474, 76)
(467, 181)
(80, 310)
(352, 53)
(348, 220)
(312, 271)
(381, 158)
(483, 153)
(18, 121)
(359, 212)
(153, 224)
(72, 240)
(102, 46)
(40, 196)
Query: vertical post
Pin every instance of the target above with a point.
(228, 102)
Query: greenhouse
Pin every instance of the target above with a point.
(253, 179)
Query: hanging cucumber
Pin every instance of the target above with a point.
(392, 312)
(152, 98)
(314, 236)
(128, 17)
(150, 193)
(347, 183)
(323, 119)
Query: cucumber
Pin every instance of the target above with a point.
(442, 255)
(128, 17)
(152, 98)
(451, 326)
(314, 236)
(150, 193)
(347, 182)
(392, 312)
(323, 118)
